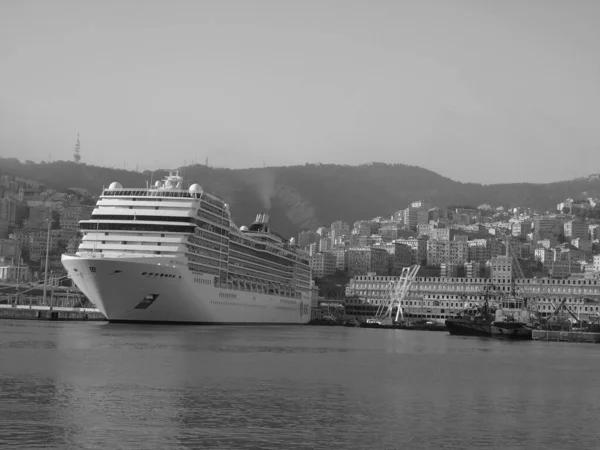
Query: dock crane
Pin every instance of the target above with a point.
(562, 307)
(395, 295)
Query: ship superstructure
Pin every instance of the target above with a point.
(171, 254)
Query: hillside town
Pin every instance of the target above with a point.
(462, 251)
(37, 225)
(461, 241)
(458, 248)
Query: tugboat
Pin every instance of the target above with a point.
(476, 321)
(472, 322)
(513, 320)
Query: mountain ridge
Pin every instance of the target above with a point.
(311, 195)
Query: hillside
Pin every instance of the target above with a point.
(300, 197)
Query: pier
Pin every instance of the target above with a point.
(566, 336)
(40, 312)
(63, 305)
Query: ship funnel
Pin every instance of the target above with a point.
(262, 218)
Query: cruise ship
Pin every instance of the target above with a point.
(170, 254)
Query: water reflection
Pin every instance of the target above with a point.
(120, 386)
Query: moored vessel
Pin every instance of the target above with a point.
(170, 254)
(475, 320)
(471, 322)
(513, 320)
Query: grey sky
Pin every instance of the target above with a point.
(486, 91)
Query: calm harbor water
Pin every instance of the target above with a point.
(99, 385)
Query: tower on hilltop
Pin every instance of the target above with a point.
(77, 155)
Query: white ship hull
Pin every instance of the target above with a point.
(162, 289)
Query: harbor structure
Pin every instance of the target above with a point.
(441, 298)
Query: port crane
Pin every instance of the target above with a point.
(395, 295)
(561, 307)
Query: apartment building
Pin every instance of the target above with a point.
(322, 264)
(341, 258)
(418, 248)
(521, 228)
(596, 263)
(543, 226)
(325, 244)
(305, 238)
(448, 270)
(400, 256)
(362, 260)
(575, 229)
(454, 252)
(472, 269)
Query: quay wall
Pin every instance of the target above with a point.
(566, 336)
(50, 313)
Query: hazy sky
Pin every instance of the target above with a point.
(486, 91)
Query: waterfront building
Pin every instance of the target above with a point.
(440, 298)
(362, 260)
